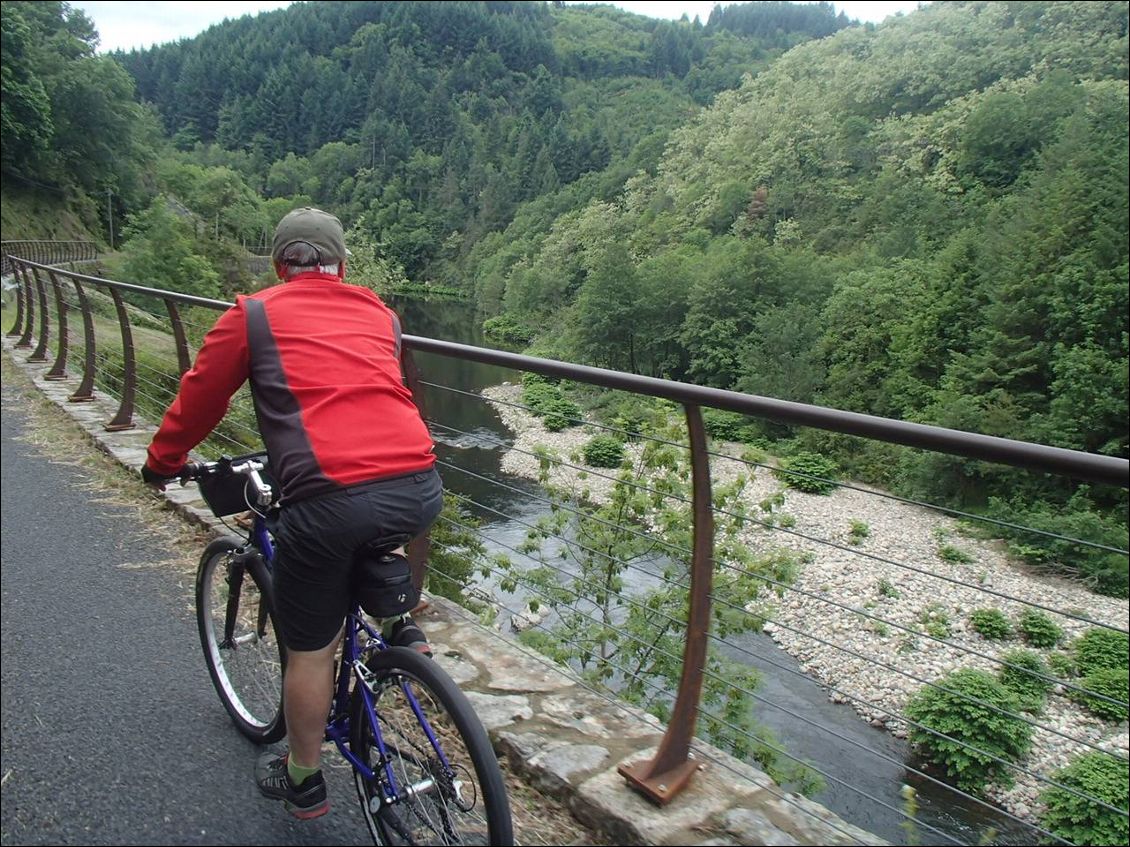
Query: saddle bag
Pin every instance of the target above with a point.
(382, 584)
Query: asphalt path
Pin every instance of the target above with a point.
(111, 730)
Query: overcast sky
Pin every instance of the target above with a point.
(126, 25)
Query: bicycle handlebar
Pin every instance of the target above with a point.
(246, 466)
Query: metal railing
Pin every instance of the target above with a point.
(46, 252)
(698, 572)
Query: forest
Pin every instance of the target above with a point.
(925, 220)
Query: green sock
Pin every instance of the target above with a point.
(299, 774)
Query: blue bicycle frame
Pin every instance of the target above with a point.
(352, 662)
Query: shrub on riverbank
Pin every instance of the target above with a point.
(1101, 648)
(1038, 629)
(968, 727)
(545, 399)
(1110, 684)
(808, 472)
(991, 624)
(1026, 676)
(1100, 778)
(604, 451)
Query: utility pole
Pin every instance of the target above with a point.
(110, 214)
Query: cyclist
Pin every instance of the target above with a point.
(346, 444)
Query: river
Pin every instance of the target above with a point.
(863, 767)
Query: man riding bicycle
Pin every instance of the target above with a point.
(346, 444)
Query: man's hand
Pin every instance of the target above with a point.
(151, 477)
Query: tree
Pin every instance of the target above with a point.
(630, 640)
(159, 252)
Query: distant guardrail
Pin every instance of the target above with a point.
(46, 252)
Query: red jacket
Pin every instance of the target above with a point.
(323, 358)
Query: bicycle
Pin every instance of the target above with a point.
(423, 765)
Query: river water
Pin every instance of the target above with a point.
(864, 768)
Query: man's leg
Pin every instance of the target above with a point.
(307, 694)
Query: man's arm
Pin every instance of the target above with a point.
(221, 367)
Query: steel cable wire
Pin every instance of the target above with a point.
(633, 435)
(966, 745)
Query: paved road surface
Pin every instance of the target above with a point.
(112, 733)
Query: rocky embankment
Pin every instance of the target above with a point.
(856, 617)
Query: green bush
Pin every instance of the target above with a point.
(1110, 682)
(990, 734)
(561, 414)
(604, 451)
(935, 620)
(1062, 665)
(1038, 629)
(545, 400)
(991, 623)
(726, 426)
(1025, 675)
(818, 472)
(530, 378)
(949, 553)
(537, 395)
(507, 329)
(1104, 570)
(1080, 820)
(1101, 648)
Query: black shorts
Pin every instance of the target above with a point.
(316, 540)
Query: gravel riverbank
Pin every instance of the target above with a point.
(894, 574)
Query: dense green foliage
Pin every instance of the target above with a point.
(1076, 815)
(1038, 629)
(809, 472)
(1099, 648)
(991, 624)
(604, 451)
(925, 220)
(1113, 686)
(70, 123)
(968, 727)
(1026, 675)
(546, 400)
(431, 123)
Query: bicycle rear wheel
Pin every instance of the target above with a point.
(453, 795)
(236, 619)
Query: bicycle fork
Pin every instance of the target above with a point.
(238, 563)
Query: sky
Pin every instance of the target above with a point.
(126, 25)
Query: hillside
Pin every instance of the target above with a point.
(925, 220)
(430, 124)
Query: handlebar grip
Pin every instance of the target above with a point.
(190, 471)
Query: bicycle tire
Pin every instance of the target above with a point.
(246, 666)
(463, 804)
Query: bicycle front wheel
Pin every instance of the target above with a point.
(236, 619)
(439, 782)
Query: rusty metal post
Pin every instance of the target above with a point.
(17, 327)
(418, 548)
(29, 314)
(124, 418)
(59, 369)
(662, 778)
(40, 352)
(85, 392)
(183, 360)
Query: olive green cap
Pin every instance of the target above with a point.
(319, 229)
